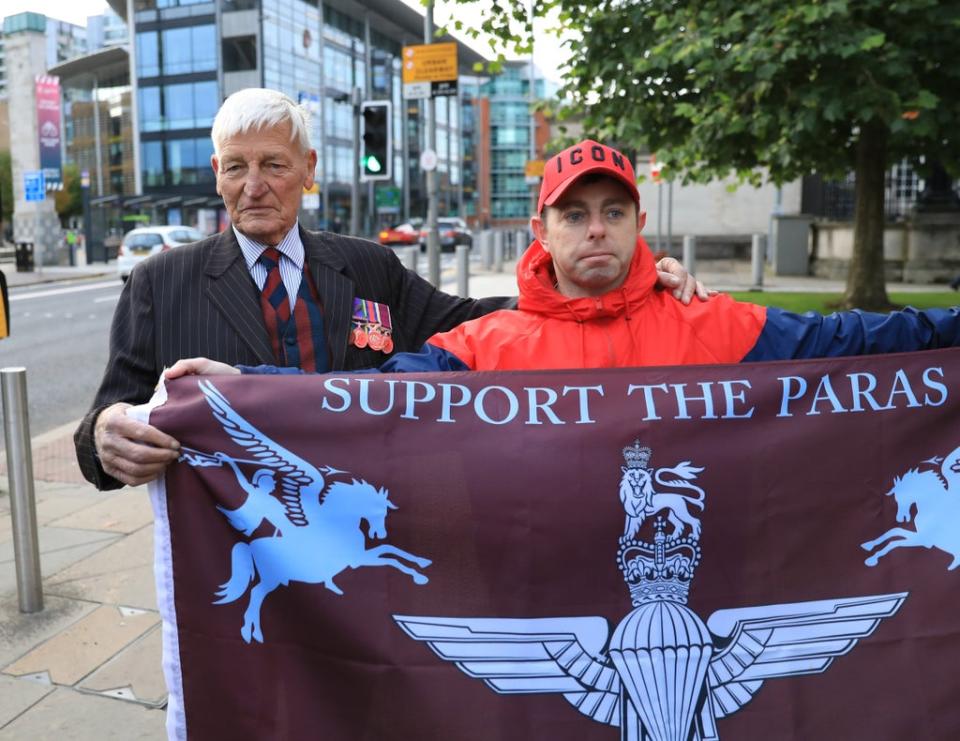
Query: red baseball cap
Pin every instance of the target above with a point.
(564, 169)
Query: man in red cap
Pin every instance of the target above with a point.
(588, 298)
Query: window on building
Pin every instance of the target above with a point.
(188, 161)
(162, 4)
(148, 54)
(151, 164)
(151, 114)
(188, 50)
(239, 54)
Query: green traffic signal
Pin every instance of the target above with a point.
(376, 155)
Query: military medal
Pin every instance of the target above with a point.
(372, 326)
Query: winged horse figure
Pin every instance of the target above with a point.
(316, 525)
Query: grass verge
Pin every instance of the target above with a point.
(822, 302)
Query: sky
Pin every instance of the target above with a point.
(73, 11)
(76, 11)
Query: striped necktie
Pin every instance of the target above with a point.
(274, 300)
(297, 338)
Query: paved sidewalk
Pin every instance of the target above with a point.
(88, 666)
(52, 274)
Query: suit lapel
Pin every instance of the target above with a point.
(232, 291)
(336, 292)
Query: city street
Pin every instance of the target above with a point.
(59, 333)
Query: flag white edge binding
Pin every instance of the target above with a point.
(163, 576)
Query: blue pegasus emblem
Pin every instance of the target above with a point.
(931, 499)
(316, 524)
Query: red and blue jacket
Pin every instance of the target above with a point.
(638, 325)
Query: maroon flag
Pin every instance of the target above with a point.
(752, 551)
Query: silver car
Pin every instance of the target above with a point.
(138, 244)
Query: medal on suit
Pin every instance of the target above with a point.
(359, 337)
(372, 326)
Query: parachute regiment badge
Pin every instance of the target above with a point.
(664, 674)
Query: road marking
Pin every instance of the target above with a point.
(105, 298)
(65, 289)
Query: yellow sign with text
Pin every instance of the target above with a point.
(430, 63)
(534, 168)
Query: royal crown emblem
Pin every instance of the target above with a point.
(663, 674)
(660, 570)
(636, 455)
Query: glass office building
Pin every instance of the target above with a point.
(188, 55)
(497, 110)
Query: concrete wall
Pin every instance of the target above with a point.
(924, 249)
(713, 210)
(4, 127)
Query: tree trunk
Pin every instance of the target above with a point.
(866, 286)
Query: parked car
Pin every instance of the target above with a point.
(402, 235)
(451, 232)
(138, 244)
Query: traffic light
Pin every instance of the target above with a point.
(377, 152)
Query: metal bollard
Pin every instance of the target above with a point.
(463, 270)
(690, 253)
(486, 249)
(498, 240)
(520, 243)
(757, 259)
(408, 256)
(23, 506)
(433, 257)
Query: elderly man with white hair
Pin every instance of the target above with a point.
(264, 291)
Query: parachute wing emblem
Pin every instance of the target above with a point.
(517, 656)
(759, 643)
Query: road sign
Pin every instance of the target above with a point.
(388, 200)
(534, 168)
(34, 186)
(428, 160)
(429, 70)
(655, 168)
(310, 199)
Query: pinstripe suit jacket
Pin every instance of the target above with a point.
(199, 300)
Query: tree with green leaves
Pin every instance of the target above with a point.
(69, 200)
(766, 88)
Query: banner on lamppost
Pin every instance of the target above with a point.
(48, 128)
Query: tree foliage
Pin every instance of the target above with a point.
(735, 85)
(69, 200)
(765, 87)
